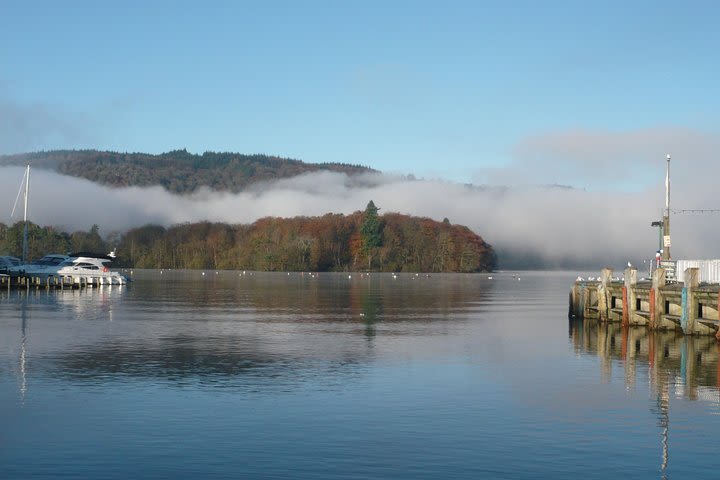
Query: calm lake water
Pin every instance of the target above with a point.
(265, 375)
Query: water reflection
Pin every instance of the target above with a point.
(315, 295)
(229, 330)
(24, 305)
(23, 352)
(688, 364)
(683, 365)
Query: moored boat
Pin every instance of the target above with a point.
(86, 267)
(92, 267)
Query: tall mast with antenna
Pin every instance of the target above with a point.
(25, 220)
(666, 214)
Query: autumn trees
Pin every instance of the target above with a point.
(363, 240)
(332, 242)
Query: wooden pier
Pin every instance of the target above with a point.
(689, 307)
(12, 282)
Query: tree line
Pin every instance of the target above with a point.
(363, 240)
(177, 171)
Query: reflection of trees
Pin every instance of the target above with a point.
(235, 359)
(218, 314)
(319, 297)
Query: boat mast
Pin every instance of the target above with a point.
(25, 220)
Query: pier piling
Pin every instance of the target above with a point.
(657, 303)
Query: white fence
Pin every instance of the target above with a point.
(709, 270)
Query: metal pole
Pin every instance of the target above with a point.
(666, 217)
(25, 229)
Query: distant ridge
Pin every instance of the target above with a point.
(177, 171)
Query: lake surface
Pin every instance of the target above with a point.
(232, 375)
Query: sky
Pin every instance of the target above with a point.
(521, 94)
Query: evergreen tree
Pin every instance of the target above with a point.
(371, 232)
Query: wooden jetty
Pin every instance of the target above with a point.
(10, 282)
(690, 307)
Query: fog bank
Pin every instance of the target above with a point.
(550, 225)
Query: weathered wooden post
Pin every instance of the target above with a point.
(629, 295)
(657, 300)
(603, 295)
(717, 335)
(689, 302)
(576, 300)
(585, 300)
(577, 311)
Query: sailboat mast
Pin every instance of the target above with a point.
(25, 222)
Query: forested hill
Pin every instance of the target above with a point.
(334, 242)
(178, 171)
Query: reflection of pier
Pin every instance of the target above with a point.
(689, 362)
(685, 365)
(63, 282)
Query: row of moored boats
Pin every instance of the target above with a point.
(76, 267)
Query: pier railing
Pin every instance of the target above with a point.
(9, 282)
(690, 306)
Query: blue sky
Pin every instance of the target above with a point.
(466, 91)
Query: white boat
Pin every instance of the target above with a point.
(91, 268)
(83, 267)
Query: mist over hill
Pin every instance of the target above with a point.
(529, 226)
(177, 171)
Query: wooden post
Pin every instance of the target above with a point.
(717, 335)
(585, 299)
(689, 300)
(629, 295)
(657, 300)
(576, 300)
(603, 298)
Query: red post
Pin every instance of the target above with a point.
(626, 309)
(624, 344)
(653, 320)
(717, 335)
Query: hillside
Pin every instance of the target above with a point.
(178, 171)
(333, 242)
